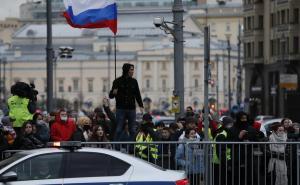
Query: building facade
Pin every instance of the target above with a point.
(7, 28)
(86, 78)
(271, 42)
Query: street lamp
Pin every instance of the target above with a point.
(108, 50)
(4, 61)
(50, 56)
(1, 81)
(229, 68)
(177, 33)
(284, 91)
(239, 72)
(64, 52)
(217, 81)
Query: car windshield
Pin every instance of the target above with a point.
(10, 160)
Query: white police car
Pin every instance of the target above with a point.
(83, 166)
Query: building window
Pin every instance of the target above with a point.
(104, 85)
(45, 84)
(147, 83)
(60, 85)
(261, 22)
(248, 23)
(76, 84)
(272, 20)
(164, 65)
(273, 46)
(296, 16)
(164, 84)
(148, 67)
(248, 50)
(283, 17)
(90, 85)
(213, 27)
(228, 26)
(260, 49)
(196, 83)
(196, 65)
(296, 45)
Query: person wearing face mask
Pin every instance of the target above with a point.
(189, 112)
(194, 161)
(63, 128)
(147, 134)
(277, 167)
(242, 131)
(222, 153)
(83, 130)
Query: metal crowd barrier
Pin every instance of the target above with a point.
(218, 163)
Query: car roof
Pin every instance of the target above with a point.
(270, 121)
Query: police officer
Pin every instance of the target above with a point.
(22, 105)
(222, 153)
(147, 134)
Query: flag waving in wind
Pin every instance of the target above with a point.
(91, 14)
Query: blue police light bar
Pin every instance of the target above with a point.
(65, 144)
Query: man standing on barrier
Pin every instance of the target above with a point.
(126, 90)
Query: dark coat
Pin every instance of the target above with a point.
(128, 92)
(30, 142)
(78, 135)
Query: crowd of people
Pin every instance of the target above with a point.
(100, 126)
(26, 128)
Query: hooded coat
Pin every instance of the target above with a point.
(276, 163)
(128, 90)
(62, 131)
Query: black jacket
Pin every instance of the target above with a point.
(31, 142)
(128, 92)
(78, 135)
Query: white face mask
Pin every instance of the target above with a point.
(64, 118)
(280, 134)
(228, 126)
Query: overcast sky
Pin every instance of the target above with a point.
(10, 8)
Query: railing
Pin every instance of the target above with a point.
(219, 163)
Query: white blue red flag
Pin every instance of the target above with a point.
(91, 14)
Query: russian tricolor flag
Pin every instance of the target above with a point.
(91, 14)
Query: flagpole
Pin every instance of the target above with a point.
(115, 43)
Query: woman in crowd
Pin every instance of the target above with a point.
(83, 131)
(99, 135)
(277, 164)
(194, 162)
(29, 141)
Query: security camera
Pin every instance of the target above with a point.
(158, 21)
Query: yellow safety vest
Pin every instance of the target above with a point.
(228, 151)
(153, 150)
(18, 110)
(210, 137)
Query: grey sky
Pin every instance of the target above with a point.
(10, 8)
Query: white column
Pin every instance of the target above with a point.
(139, 68)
